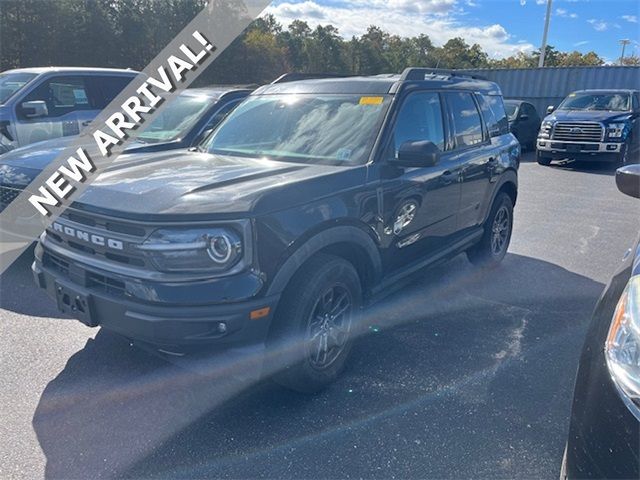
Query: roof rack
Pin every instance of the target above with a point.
(295, 76)
(417, 74)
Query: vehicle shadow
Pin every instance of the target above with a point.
(464, 373)
(595, 167)
(18, 278)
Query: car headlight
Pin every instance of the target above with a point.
(617, 130)
(545, 129)
(622, 348)
(213, 250)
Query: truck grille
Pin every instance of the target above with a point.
(8, 195)
(578, 132)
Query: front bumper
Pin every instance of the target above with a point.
(186, 321)
(584, 150)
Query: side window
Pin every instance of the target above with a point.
(467, 124)
(636, 101)
(419, 118)
(62, 95)
(530, 111)
(494, 114)
(108, 87)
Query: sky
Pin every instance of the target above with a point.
(501, 27)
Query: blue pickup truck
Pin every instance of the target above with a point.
(597, 125)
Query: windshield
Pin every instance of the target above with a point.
(10, 83)
(614, 102)
(511, 109)
(177, 119)
(330, 129)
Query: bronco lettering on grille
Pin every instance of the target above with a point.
(88, 237)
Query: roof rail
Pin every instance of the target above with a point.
(417, 73)
(295, 76)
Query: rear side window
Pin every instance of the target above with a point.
(467, 124)
(494, 114)
(109, 87)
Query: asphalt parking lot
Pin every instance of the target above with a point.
(465, 373)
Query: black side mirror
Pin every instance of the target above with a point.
(418, 154)
(628, 180)
(550, 109)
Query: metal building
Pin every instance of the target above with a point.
(550, 85)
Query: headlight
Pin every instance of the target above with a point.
(617, 130)
(194, 250)
(545, 129)
(622, 348)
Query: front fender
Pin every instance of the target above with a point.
(320, 241)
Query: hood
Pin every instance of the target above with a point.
(587, 116)
(195, 184)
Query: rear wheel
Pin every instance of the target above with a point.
(494, 243)
(313, 330)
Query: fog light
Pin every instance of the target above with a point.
(222, 327)
(611, 147)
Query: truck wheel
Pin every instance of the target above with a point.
(493, 245)
(542, 160)
(314, 327)
(626, 156)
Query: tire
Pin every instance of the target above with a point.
(627, 155)
(309, 344)
(493, 245)
(542, 160)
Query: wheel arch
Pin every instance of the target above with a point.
(345, 241)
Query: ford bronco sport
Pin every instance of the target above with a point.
(309, 199)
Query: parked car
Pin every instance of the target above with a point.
(41, 103)
(312, 198)
(604, 433)
(524, 122)
(592, 125)
(185, 122)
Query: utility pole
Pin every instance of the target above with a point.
(543, 49)
(624, 42)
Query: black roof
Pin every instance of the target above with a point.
(382, 84)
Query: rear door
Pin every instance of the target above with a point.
(475, 153)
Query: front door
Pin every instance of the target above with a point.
(70, 104)
(419, 204)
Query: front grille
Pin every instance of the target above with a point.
(56, 263)
(92, 280)
(107, 285)
(8, 195)
(64, 233)
(578, 131)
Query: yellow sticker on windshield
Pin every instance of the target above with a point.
(371, 100)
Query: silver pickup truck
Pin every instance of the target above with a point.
(42, 103)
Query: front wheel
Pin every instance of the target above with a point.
(493, 245)
(542, 160)
(627, 156)
(314, 328)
